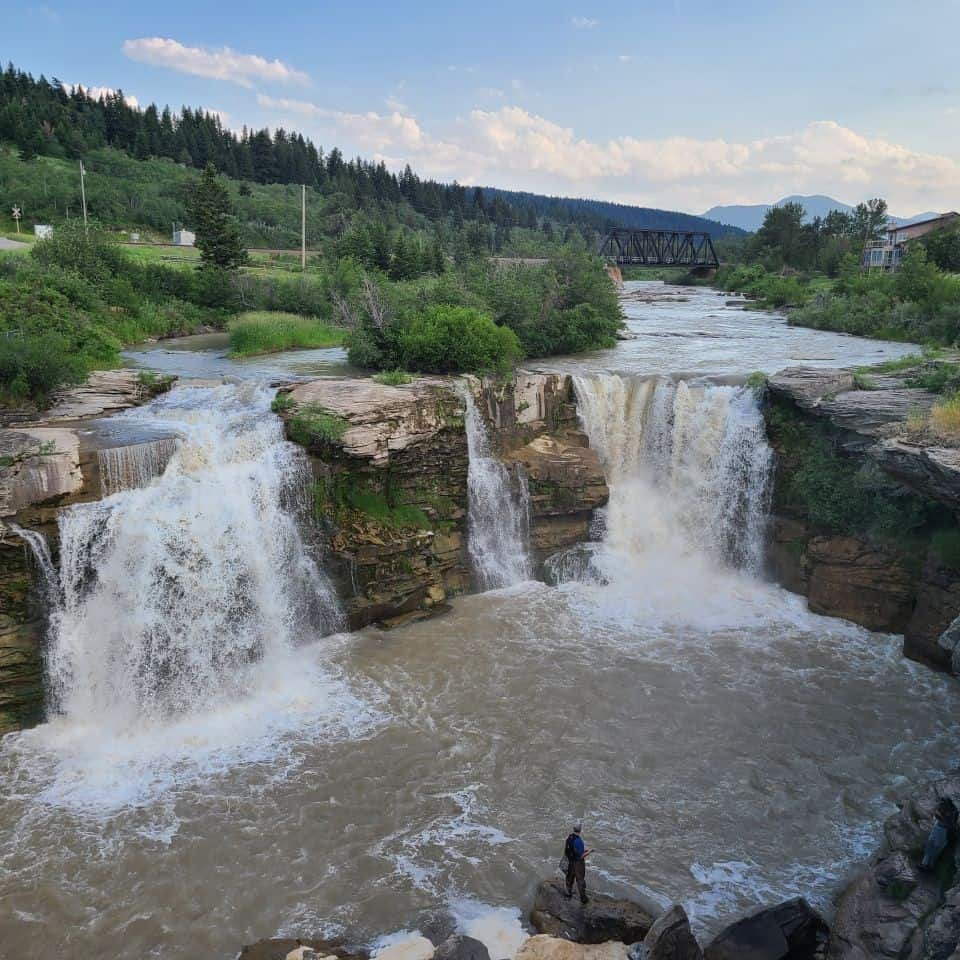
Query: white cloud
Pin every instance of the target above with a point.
(222, 64)
(513, 148)
(98, 93)
(584, 23)
(624, 58)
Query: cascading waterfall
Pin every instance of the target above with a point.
(498, 502)
(689, 470)
(173, 593)
(134, 465)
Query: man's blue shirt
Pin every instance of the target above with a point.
(578, 847)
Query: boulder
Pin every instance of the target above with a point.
(555, 948)
(460, 947)
(789, 931)
(870, 924)
(603, 918)
(892, 911)
(670, 938)
(941, 938)
(848, 578)
(277, 948)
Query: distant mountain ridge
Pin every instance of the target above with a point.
(749, 217)
(602, 214)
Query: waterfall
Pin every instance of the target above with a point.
(171, 594)
(689, 470)
(40, 550)
(135, 465)
(498, 503)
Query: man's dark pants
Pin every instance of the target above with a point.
(577, 871)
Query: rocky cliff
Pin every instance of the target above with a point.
(390, 480)
(865, 509)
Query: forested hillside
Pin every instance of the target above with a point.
(47, 120)
(601, 214)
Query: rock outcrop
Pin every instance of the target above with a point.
(789, 931)
(392, 481)
(277, 948)
(37, 465)
(848, 578)
(670, 938)
(892, 910)
(553, 948)
(103, 393)
(893, 583)
(603, 918)
(21, 661)
(870, 422)
(460, 947)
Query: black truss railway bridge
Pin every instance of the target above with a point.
(659, 248)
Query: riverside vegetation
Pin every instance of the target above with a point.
(814, 270)
(72, 303)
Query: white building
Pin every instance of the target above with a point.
(42, 230)
(184, 238)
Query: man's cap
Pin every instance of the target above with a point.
(577, 827)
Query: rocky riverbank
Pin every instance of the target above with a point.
(864, 510)
(891, 910)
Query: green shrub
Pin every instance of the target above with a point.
(340, 494)
(393, 378)
(267, 332)
(33, 365)
(839, 494)
(282, 402)
(454, 339)
(312, 425)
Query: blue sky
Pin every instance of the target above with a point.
(668, 104)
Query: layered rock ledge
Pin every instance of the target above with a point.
(907, 583)
(390, 473)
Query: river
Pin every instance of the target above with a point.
(724, 747)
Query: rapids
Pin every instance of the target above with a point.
(223, 765)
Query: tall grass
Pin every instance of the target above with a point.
(945, 417)
(264, 331)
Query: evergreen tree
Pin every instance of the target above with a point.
(218, 235)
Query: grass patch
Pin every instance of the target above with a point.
(757, 381)
(266, 331)
(340, 496)
(393, 378)
(282, 402)
(155, 382)
(312, 424)
(894, 366)
(945, 417)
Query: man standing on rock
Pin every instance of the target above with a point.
(576, 854)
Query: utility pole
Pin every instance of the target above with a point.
(303, 227)
(83, 196)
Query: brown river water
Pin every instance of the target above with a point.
(723, 746)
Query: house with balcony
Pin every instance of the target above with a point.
(887, 253)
